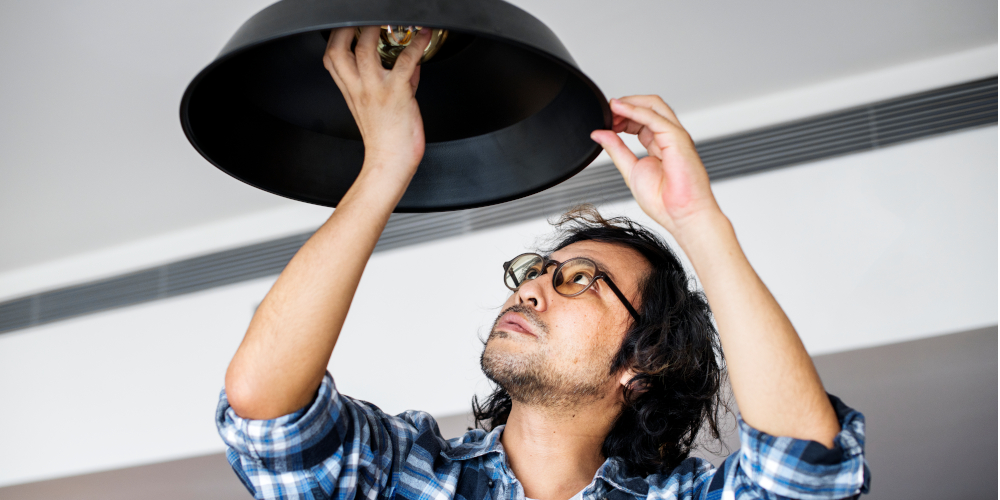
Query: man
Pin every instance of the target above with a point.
(606, 363)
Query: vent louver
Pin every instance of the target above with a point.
(853, 130)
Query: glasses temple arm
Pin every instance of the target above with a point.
(621, 297)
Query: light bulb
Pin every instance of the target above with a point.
(393, 39)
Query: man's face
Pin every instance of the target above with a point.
(549, 350)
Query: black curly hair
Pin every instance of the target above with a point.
(673, 348)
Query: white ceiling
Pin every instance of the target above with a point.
(92, 154)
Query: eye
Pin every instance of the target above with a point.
(580, 279)
(531, 274)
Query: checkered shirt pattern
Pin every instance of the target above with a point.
(342, 448)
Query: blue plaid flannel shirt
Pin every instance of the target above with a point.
(342, 448)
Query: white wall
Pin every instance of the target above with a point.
(866, 249)
(861, 250)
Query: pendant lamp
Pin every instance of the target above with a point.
(507, 112)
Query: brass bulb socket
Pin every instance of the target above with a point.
(393, 39)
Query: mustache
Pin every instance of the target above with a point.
(528, 314)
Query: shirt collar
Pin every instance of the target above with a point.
(476, 443)
(612, 472)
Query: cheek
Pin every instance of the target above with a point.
(590, 342)
(611, 331)
(590, 331)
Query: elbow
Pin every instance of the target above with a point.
(254, 394)
(255, 399)
(240, 394)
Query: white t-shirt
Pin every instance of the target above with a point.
(578, 496)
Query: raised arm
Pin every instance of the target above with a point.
(774, 381)
(283, 357)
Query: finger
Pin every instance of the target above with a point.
(338, 59)
(655, 103)
(623, 124)
(618, 123)
(336, 78)
(415, 80)
(332, 69)
(647, 138)
(339, 62)
(665, 133)
(620, 154)
(642, 116)
(645, 135)
(408, 60)
(369, 63)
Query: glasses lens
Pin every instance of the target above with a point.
(575, 276)
(522, 268)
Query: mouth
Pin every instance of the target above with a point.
(514, 322)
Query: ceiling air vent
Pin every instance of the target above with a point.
(849, 131)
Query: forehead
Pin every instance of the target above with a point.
(624, 264)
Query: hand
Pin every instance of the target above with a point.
(382, 101)
(670, 184)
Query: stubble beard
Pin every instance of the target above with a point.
(531, 379)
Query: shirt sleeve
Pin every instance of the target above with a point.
(782, 467)
(334, 448)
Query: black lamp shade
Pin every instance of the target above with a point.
(506, 111)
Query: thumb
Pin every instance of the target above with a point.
(415, 80)
(620, 154)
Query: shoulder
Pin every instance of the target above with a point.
(427, 434)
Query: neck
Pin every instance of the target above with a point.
(553, 454)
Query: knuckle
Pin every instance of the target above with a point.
(406, 58)
(368, 98)
(680, 134)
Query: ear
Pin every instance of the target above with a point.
(627, 375)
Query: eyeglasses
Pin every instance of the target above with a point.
(571, 278)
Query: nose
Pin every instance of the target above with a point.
(535, 292)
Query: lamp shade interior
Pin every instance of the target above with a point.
(502, 119)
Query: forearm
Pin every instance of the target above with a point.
(287, 347)
(773, 379)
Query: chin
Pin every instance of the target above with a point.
(504, 354)
(500, 341)
(510, 342)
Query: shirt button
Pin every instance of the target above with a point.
(489, 482)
